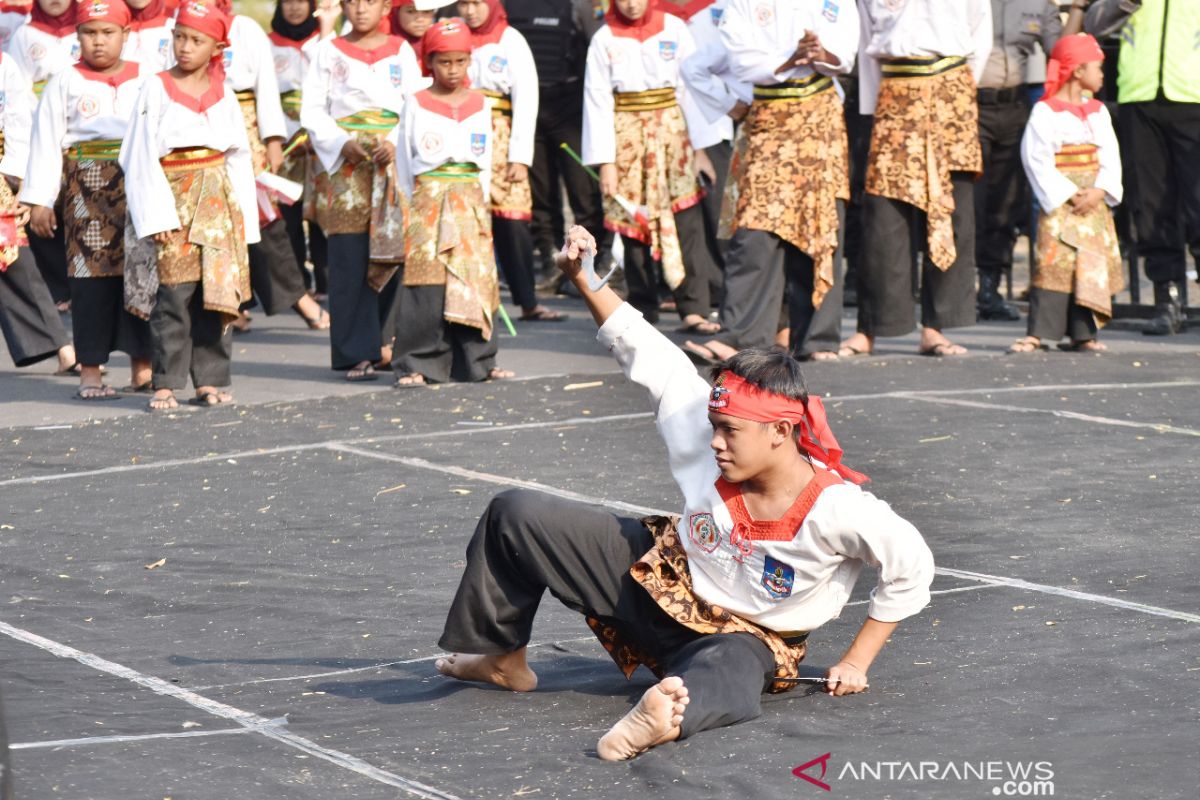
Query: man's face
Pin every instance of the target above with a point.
(741, 447)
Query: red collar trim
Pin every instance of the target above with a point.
(1082, 110)
(280, 40)
(15, 8)
(775, 530)
(685, 11)
(216, 90)
(389, 48)
(651, 24)
(472, 105)
(127, 73)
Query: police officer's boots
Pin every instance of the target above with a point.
(1168, 315)
(988, 303)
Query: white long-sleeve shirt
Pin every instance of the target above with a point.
(11, 18)
(250, 65)
(763, 35)
(151, 46)
(77, 105)
(16, 116)
(1054, 125)
(507, 67)
(344, 79)
(920, 29)
(41, 54)
(712, 84)
(623, 64)
(793, 578)
(292, 60)
(702, 25)
(433, 133)
(165, 119)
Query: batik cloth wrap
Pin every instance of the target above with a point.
(94, 214)
(450, 243)
(295, 162)
(729, 200)
(1079, 253)
(663, 572)
(509, 200)
(258, 149)
(8, 212)
(210, 247)
(795, 169)
(926, 126)
(656, 168)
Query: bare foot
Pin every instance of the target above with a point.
(654, 720)
(857, 345)
(508, 671)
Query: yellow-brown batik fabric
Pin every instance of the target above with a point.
(509, 200)
(925, 128)
(1079, 253)
(729, 201)
(211, 246)
(8, 208)
(796, 169)
(258, 150)
(663, 572)
(295, 163)
(94, 217)
(449, 242)
(343, 198)
(656, 169)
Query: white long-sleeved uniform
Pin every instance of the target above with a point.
(713, 86)
(292, 60)
(41, 54)
(151, 45)
(706, 87)
(763, 35)
(250, 66)
(11, 18)
(507, 67)
(434, 133)
(77, 105)
(920, 29)
(1054, 125)
(623, 64)
(793, 579)
(344, 79)
(16, 116)
(164, 120)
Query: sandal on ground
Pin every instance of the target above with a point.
(75, 370)
(241, 324)
(168, 403)
(850, 351)
(362, 372)
(210, 399)
(96, 392)
(543, 314)
(141, 388)
(943, 350)
(500, 374)
(1027, 344)
(1084, 346)
(410, 380)
(321, 323)
(821, 355)
(702, 328)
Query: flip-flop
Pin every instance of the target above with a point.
(820, 355)
(145, 388)
(367, 374)
(498, 374)
(209, 400)
(1026, 345)
(544, 315)
(172, 399)
(943, 350)
(1085, 346)
(410, 381)
(91, 398)
(850, 351)
(699, 358)
(703, 327)
(74, 370)
(321, 323)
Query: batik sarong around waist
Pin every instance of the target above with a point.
(501, 103)
(1079, 253)
(656, 168)
(509, 199)
(795, 169)
(450, 243)
(12, 236)
(664, 573)
(93, 213)
(258, 150)
(343, 199)
(926, 126)
(210, 246)
(295, 158)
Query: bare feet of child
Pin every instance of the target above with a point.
(508, 671)
(654, 720)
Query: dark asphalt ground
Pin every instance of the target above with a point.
(309, 544)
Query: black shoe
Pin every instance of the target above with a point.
(1168, 316)
(989, 305)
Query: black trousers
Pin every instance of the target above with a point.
(188, 340)
(32, 327)
(560, 119)
(274, 274)
(428, 345)
(307, 248)
(1000, 193)
(361, 320)
(528, 543)
(759, 268)
(1166, 137)
(721, 155)
(892, 230)
(692, 296)
(51, 257)
(1053, 315)
(514, 254)
(101, 324)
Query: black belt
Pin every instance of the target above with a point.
(795, 639)
(996, 97)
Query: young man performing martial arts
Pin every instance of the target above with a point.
(772, 537)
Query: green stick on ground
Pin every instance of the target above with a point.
(507, 322)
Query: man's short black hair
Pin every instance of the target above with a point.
(771, 370)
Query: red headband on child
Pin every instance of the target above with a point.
(734, 396)
(447, 36)
(206, 18)
(1069, 52)
(114, 11)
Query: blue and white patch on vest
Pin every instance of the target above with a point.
(394, 74)
(3, 101)
(717, 13)
(227, 57)
(704, 533)
(478, 143)
(497, 63)
(777, 578)
(666, 51)
(163, 44)
(75, 52)
(830, 10)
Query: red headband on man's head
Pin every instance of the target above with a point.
(1069, 53)
(205, 17)
(734, 396)
(114, 11)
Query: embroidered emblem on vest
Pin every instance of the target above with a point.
(704, 532)
(394, 73)
(777, 578)
(478, 143)
(666, 51)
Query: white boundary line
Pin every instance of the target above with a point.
(89, 741)
(1056, 412)
(252, 722)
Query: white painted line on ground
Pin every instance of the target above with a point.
(253, 722)
(89, 741)
(1050, 387)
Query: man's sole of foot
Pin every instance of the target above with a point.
(484, 669)
(653, 721)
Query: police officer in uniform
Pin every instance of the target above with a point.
(1018, 27)
(558, 32)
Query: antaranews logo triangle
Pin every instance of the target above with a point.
(799, 771)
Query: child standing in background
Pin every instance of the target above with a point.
(149, 41)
